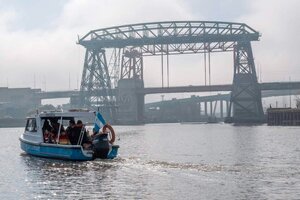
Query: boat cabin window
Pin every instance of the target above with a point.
(31, 125)
(57, 129)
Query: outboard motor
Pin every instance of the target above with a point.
(101, 146)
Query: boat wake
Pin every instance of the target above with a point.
(185, 166)
(135, 162)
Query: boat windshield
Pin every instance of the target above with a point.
(31, 125)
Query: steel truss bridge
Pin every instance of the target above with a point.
(127, 45)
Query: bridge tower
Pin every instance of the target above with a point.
(130, 104)
(95, 89)
(245, 101)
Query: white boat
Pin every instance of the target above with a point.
(38, 141)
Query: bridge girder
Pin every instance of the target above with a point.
(268, 90)
(175, 37)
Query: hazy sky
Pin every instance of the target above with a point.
(38, 38)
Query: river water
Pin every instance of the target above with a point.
(164, 161)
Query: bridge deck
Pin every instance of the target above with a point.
(282, 86)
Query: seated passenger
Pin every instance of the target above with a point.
(86, 141)
(46, 126)
(73, 133)
(46, 129)
(55, 129)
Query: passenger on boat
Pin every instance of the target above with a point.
(46, 126)
(72, 132)
(86, 141)
(46, 130)
(94, 133)
(55, 128)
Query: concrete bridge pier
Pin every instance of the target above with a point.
(130, 104)
(221, 108)
(211, 108)
(200, 108)
(227, 108)
(224, 107)
(205, 108)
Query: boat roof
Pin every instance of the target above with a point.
(69, 113)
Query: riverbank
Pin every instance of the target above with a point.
(12, 122)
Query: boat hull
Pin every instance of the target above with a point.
(113, 152)
(74, 152)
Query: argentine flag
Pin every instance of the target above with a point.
(99, 122)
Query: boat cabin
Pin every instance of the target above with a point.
(51, 126)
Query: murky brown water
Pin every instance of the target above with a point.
(164, 161)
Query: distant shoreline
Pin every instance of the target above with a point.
(12, 122)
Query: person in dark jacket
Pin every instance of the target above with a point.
(72, 132)
(46, 131)
(86, 142)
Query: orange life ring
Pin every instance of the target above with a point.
(113, 135)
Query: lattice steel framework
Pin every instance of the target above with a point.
(114, 68)
(132, 64)
(95, 78)
(150, 39)
(246, 93)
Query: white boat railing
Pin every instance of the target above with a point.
(59, 129)
(82, 132)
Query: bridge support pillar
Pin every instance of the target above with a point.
(221, 108)
(227, 108)
(130, 104)
(245, 100)
(200, 109)
(205, 108)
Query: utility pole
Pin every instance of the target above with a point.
(290, 93)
